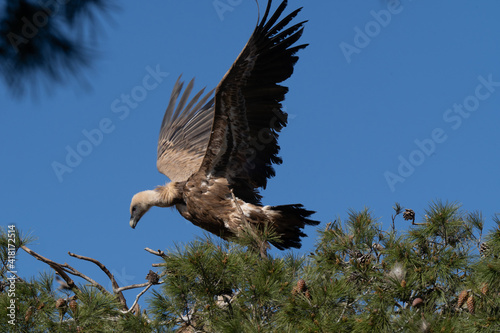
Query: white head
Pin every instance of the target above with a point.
(141, 203)
(162, 196)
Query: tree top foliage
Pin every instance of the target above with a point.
(440, 275)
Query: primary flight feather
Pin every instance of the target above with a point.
(218, 151)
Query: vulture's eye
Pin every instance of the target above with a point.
(134, 209)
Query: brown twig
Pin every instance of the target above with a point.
(57, 267)
(115, 285)
(75, 272)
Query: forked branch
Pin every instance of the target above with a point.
(57, 267)
(64, 270)
(106, 271)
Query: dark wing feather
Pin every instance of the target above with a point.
(248, 116)
(185, 132)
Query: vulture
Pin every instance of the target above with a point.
(219, 148)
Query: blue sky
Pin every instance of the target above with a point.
(392, 101)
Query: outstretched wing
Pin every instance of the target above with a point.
(185, 132)
(248, 116)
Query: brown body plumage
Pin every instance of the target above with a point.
(218, 151)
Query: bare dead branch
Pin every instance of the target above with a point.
(416, 223)
(159, 253)
(75, 272)
(98, 263)
(115, 285)
(148, 285)
(64, 269)
(57, 267)
(132, 286)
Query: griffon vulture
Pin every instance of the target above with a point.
(219, 150)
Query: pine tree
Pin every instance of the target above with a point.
(360, 278)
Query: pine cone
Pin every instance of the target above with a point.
(61, 306)
(461, 298)
(484, 289)
(470, 303)
(73, 306)
(403, 283)
(409, 214)
(301, 285)
(484, 249)
(28, 314)
(152, 277)
(363, 259)
(60, 303)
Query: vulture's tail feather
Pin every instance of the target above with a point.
(288, 224)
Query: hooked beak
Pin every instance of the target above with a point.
(135, 216)
(133, 222)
